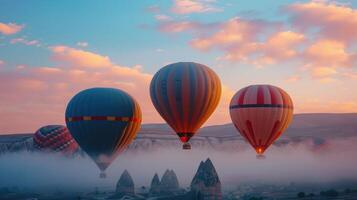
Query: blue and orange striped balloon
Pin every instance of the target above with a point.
(103, 121)
(185, 94)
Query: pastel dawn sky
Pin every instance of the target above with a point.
(50, 50)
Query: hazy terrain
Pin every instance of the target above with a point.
(316, 149)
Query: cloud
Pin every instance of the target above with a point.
(80, 58)
(317, 34)
(322, 72)
(193, 6)
(25, 41)
(40, 93)
(241, 41)
(293, 78)
(279, 47)
(230, 33)
(153, 9)
(332, 20)
(317, 105)
(178, 26)
(10, 28)
(328, 52)
(350, 75)
(82, 44)
(2, 63)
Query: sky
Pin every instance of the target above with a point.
(51, 50)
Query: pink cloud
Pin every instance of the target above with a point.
(80, 58)
(324, 74)
(318, 35)
(35, 96)
(328, 53)
(324, 106)
(41, 93)
(232, 32)
(2, 63)
(25, 41)
(10, 28)
(293, 78)
(193, 6)
(178, 26)
(333, 21)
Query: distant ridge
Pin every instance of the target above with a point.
(307, 124)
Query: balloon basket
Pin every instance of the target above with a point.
(186, 146)
(102, 175)
(260, 156)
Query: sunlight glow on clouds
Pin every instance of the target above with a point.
(319, 34)
(25, 41)
(193, 6)
(44, 91)
(10, 28)
(79, 57)
(302, 44)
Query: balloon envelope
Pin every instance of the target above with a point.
(103, 121)
(54, 138)
(185, 94)
(261, 113)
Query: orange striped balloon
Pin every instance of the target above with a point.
(261, 113)
(185, 94)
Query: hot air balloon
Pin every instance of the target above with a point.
(54, 138)
(261, 113)
(103, 121)
(185, 94)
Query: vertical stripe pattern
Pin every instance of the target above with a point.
(261, 113)
(185, 94)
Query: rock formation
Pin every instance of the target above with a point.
(169, 183)
(155, 185)
(125, 185)
(206, 183)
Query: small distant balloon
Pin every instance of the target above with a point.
(185, 94)
(261, 113)
(103, 121)
(54, 138)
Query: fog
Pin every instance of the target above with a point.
(303, 162)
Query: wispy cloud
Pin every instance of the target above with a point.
(25, 42)
(10, 28)
(162, 17)
(82, 44)
(194, 6)
(80, 58)
(333, 21)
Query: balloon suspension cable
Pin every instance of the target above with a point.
(102, 174)
(186, 146)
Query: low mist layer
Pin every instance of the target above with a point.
(304, 162)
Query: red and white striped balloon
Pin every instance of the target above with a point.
(54, 138)
(261, 113)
